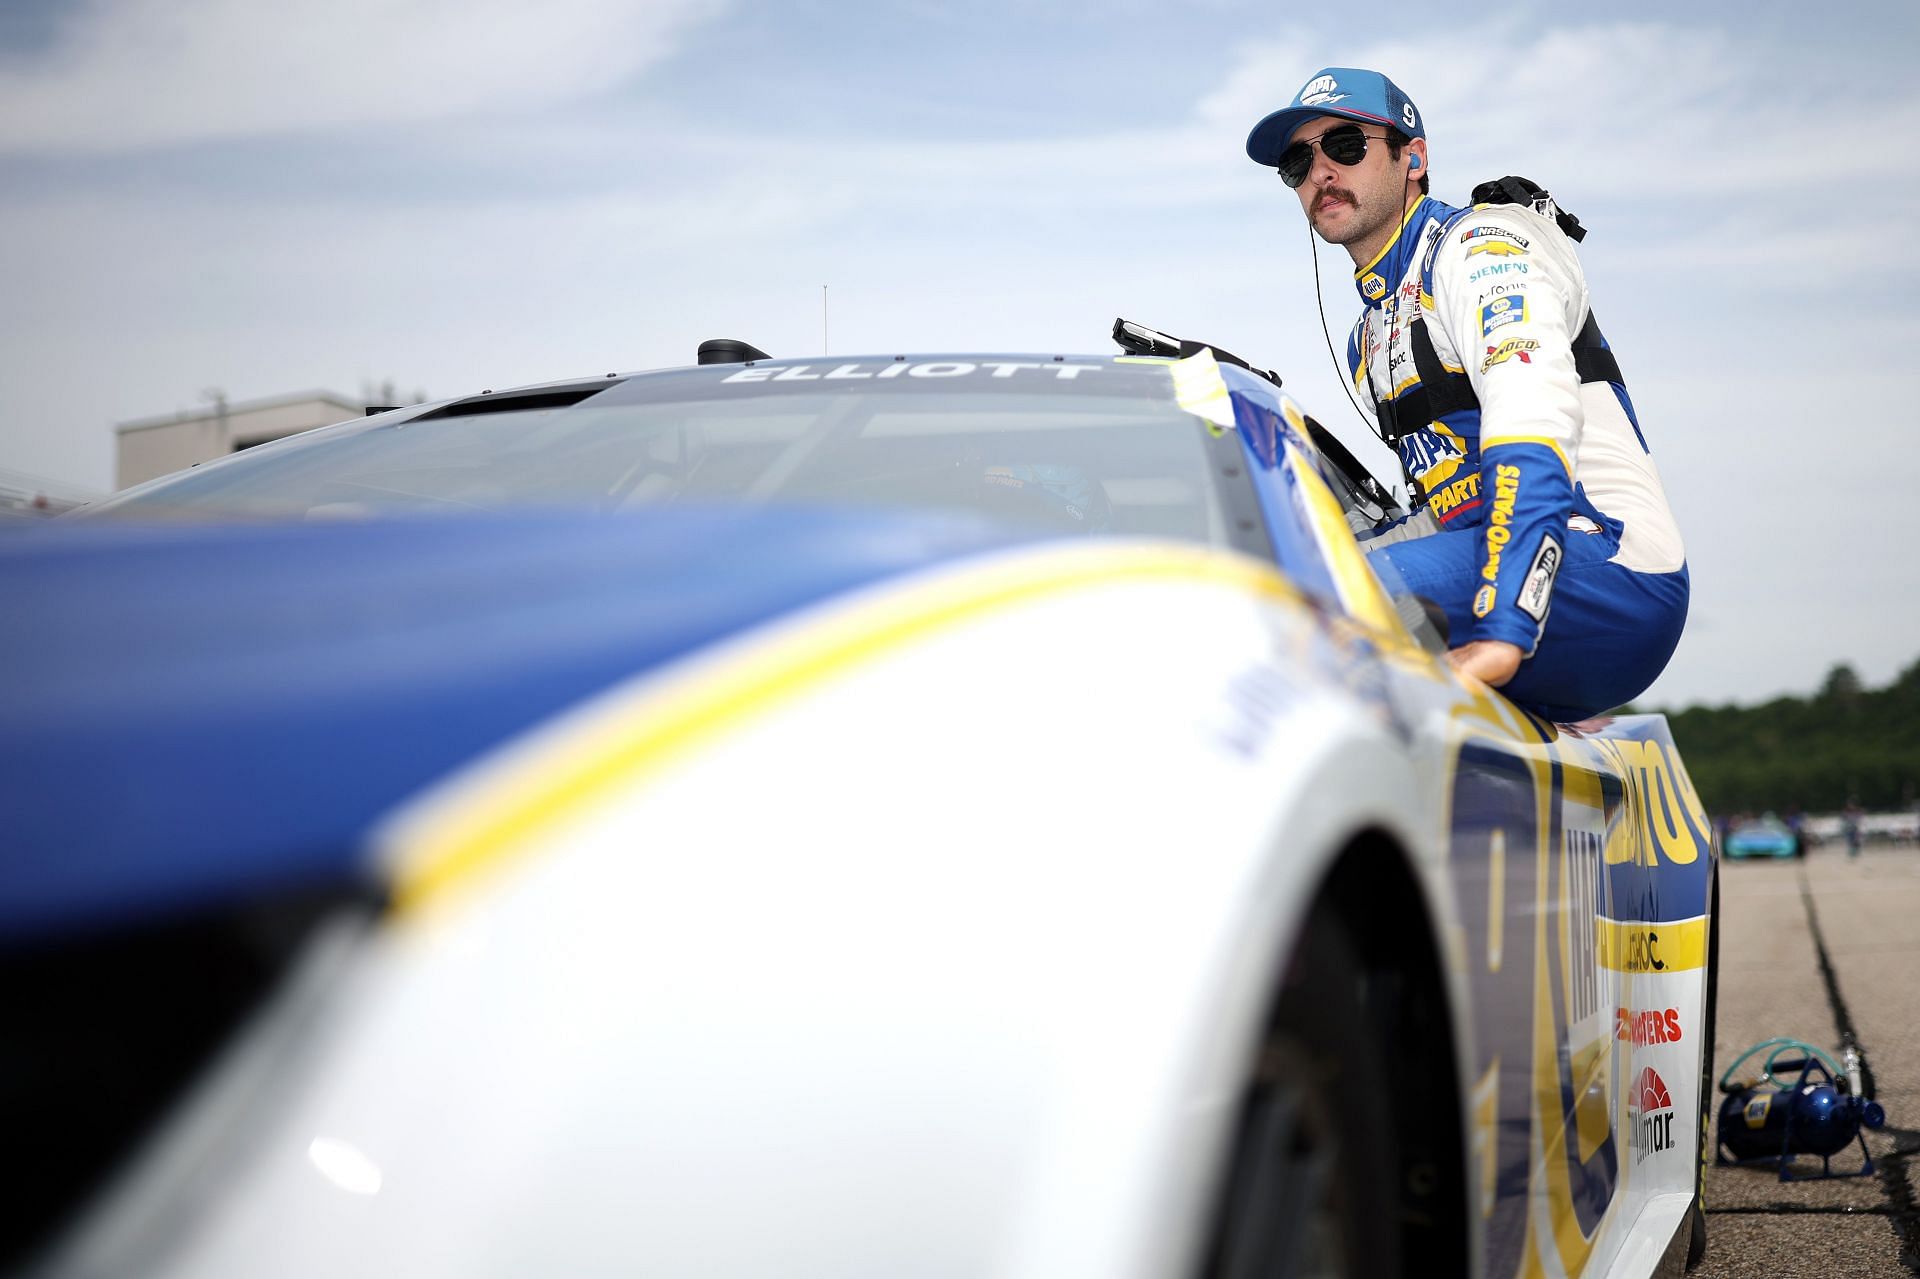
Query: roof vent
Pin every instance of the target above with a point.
(538, 397)
(729, 351)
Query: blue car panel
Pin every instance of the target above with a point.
(197, 713)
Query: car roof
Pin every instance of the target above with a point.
(991, 370)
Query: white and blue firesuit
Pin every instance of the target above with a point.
(1544, 522)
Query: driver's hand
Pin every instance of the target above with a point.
(1492, 662)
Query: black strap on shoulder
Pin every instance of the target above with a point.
(1517, 190)
(1442, 391)
(1591, 357)
(1439, 393)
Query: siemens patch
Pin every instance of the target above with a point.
(1502, 310)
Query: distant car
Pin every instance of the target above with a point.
(914, 815)
(1767, 837)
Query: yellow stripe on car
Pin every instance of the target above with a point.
(1360, 591)
(503, 809)
(1633, 947)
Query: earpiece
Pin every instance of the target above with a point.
(1416, 164)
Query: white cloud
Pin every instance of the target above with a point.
(1651, 109)
(127, 74)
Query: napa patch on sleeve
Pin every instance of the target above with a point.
(1507, 309)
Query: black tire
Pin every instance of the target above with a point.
(1697, 1213)
(1312, 1186)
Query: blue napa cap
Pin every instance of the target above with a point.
(1366, 96)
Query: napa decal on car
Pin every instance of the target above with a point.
(1605, 837)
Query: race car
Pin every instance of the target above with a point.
(1766, 836)
(920, 814)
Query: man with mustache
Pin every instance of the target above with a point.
(1539, 522)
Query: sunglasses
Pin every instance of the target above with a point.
(1344, 145)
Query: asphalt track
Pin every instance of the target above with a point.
(1819, 950)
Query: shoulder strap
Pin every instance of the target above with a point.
(1517, 190)
(1442, 391)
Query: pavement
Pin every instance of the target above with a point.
(1816, 950)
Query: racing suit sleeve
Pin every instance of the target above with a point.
(1513, 330)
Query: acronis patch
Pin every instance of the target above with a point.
(1502, 310)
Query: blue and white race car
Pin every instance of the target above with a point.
(1766, 836)
(917, 815)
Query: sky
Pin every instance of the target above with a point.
(328, 194)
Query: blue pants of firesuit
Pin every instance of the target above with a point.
(1609, 631)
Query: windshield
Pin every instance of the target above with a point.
(1077, 447)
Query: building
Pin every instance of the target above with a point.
(155, 446)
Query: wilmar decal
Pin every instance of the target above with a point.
(1651, 1114)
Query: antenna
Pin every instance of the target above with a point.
(823, 319)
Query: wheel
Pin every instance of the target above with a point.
(1315, 1167)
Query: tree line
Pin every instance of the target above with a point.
(1846, 743)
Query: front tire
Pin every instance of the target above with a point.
(1312, 1188)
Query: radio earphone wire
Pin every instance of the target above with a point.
(1339, 372)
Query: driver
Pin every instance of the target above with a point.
(1539, 523)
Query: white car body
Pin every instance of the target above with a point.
(930, 930)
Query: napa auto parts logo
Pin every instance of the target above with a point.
(1651, 1114)
(1321, 91)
